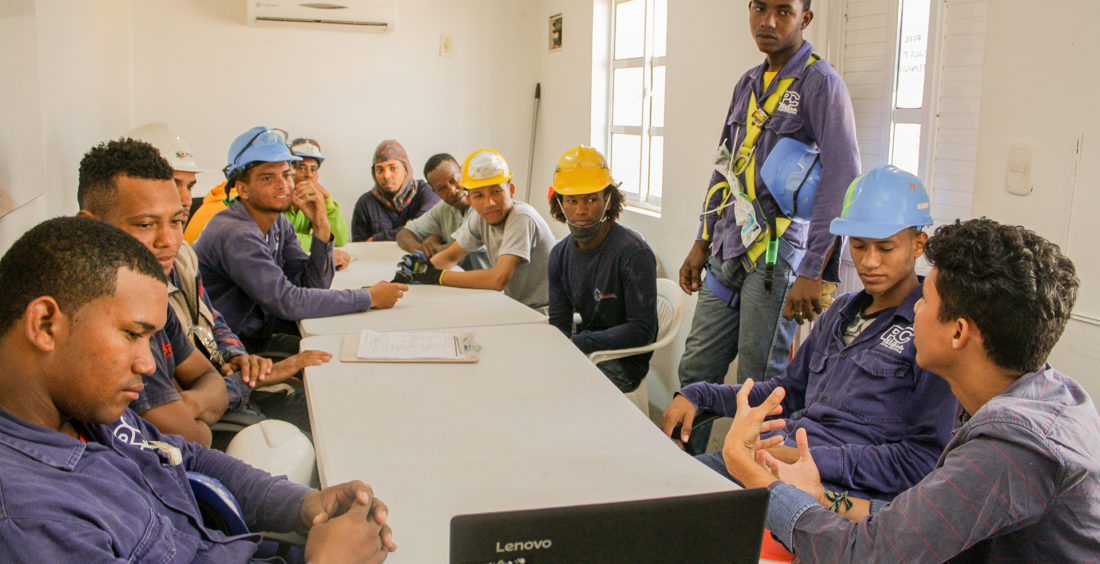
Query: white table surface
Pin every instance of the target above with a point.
(423, 307)
(532, 424)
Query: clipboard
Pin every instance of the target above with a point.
(349, 348)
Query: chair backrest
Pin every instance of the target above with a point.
(670, 311)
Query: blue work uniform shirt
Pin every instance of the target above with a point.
(817, 111)
(1019, 482)
(252, 276)
(614, 288)
(118, 498)
(876, 421)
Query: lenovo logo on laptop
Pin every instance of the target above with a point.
(715, 528)
(524, 545)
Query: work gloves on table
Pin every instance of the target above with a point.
(417, 269)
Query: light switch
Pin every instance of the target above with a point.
(1018, 174)
(446, 45)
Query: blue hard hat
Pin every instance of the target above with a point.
(881, 202)
(257, 145)
(792, 172)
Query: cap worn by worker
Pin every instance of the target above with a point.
(257, 145)
(581, 170)
(307, 149)
(882, 202)
(171, 146)
(484, 167)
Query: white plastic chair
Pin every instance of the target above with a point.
(670, 314)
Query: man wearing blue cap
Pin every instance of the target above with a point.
(306, 173)
(252, 262)
(878, 420)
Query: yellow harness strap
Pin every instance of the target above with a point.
(755, 119)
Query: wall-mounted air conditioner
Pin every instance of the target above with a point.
(348, 15)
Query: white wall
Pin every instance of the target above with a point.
(199, 68)
(1037, 89)
(84, 76)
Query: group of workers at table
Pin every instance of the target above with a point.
(919, 421)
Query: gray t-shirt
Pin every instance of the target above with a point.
(443, 220)
(523, 234)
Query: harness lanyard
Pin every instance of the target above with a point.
(745, 164)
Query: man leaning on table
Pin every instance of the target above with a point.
(516, 236)
(1020, 479)
(252, 262)
(85, 479)
(434, 231)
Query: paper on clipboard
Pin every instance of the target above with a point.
(409, 346)
(372, 346)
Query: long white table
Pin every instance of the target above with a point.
(423, 307)
(532, 424)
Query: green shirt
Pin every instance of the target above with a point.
(304, 228)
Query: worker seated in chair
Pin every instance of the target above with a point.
(434, 231)
(602, 270)
(515, 236)
(252, 262)
(878, 421)
(84, 478)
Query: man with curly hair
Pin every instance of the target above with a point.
(1019, 480)
(602, 270)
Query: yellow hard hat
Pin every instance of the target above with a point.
(581, 170)
(484, 167)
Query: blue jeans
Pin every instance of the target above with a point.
(753, 331)
(714, 461)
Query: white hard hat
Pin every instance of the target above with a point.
(171, 146)
(277, 447)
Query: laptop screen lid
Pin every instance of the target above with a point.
(721, 527)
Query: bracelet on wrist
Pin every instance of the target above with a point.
(838, 500)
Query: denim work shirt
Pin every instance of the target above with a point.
(817, 111)
(118, 498)
(876, 421)
(1019, 482)
(251, 276)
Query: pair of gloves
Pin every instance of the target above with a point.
(415, 268)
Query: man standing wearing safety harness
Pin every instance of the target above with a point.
(761, 264)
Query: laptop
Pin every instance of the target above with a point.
(722, 527)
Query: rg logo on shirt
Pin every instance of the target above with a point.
(896, 337)
(166, 348)
(789, 103)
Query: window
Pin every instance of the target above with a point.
(914, 72)
(637, 98)
(909, 119)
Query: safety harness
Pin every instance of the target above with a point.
(745, 160)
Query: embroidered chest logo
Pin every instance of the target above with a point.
(896, 337)
(600, 296)
(129, 434)
(789, 103)
(166, 349)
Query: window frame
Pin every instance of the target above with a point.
(643, 198)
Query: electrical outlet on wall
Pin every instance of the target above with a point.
(1018, 174)
(446, 45)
